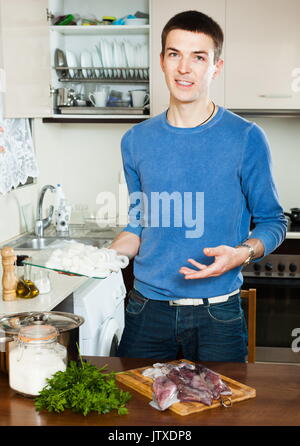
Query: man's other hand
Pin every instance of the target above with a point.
(226, 258)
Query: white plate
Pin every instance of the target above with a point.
(117, 57)
(129, 53)
(86, 61)
(104, 57)
(123, 58)
(72, 62)
(98, 49)
(96, 61)
(109, 57)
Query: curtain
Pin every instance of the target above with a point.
(17, 155)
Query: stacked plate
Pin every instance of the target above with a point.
(123, 59)
(111, 59)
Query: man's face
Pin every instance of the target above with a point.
(188, 65)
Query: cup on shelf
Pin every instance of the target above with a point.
(139, 98)
(99, 97)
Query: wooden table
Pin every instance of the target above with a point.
(277, 401)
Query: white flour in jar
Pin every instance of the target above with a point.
(30, 366)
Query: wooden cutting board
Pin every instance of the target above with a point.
(136, 380)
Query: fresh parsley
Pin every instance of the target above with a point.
(83, 388)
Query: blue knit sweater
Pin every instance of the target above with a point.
(211, 179)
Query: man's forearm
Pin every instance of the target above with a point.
(256, 244)
(126, 243)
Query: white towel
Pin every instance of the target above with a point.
(86, 260)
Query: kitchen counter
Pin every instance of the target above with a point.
(277, 401)
(61, 285)
(291, 235)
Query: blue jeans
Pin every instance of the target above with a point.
(208, 332)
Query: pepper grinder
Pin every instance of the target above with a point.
(9, 280)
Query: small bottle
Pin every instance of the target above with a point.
(62, 211)
(26, 289)
(22, 288)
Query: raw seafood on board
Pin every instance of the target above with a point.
(184, 382)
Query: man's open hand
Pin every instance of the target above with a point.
(226, 258)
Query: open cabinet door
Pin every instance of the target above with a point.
(25, 58)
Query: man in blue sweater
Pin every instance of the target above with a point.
(196, 174)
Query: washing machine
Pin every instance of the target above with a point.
(101, 303)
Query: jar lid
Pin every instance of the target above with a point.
(37, 333)
(11, 324)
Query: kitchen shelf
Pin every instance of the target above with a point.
(119, 74)
(279, 113)
(92, 119)
(94, 110)
(73, 30)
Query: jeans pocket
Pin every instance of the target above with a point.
(226, 312)
(136, 303)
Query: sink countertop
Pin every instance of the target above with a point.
(61, 285)
(75, 231)
(82, 231)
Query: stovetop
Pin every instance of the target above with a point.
(282, 266)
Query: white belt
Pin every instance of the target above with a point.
(211, 300)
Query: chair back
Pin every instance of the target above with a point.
(251, 296)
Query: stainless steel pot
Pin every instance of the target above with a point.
(66, 323)
(63, 97)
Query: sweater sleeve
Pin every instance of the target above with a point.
(259, 188)
(133, 185)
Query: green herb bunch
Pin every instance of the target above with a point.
(83, 388)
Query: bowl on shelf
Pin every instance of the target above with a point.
(136, 22)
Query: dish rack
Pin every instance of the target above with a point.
(101, 74)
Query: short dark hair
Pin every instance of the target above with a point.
(195, 21)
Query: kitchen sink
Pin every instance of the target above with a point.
(29, 242)
(34, 243)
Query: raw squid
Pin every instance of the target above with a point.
(184, 382)
(164, 393)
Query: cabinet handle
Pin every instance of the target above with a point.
(275, 96)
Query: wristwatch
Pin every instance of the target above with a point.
(251, 253)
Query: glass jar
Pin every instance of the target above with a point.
(41, 279)
(35, 356)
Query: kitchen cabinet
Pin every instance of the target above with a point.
(262, 54)
(262, 60)
(25, 58)
(29, 40)
(160, 13)
(108, 42)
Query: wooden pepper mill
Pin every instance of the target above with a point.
(9, 280)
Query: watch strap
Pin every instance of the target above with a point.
(251, 253)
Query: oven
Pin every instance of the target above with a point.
(277, 281)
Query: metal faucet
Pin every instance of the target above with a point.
(43, 223)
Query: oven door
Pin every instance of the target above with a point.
(277, 318)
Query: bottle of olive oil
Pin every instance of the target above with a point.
(25, 287)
